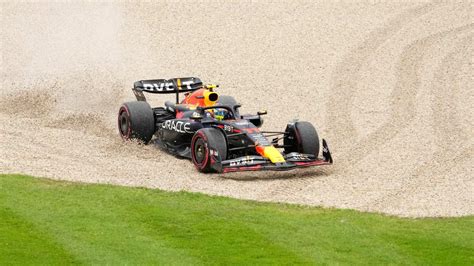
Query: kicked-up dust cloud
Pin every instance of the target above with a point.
(389, 85)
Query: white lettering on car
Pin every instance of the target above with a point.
(165, 85)
(301, 157)
(148, 87)
(178, 126)
(243, 161)
(188, 84)
(159, 87)
(187, 127)
(168, 86)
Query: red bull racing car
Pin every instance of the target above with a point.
(209, 130)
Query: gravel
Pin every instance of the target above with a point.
(389, 85)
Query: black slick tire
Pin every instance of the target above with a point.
(301, 137)
(136, 120)
(204, 145)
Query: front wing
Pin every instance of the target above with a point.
(260, 163)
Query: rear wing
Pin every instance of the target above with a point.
(163, 86)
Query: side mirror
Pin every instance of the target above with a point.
(262, 112)
(196, 116)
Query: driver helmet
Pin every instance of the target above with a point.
(220, 113)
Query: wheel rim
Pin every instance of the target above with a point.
(200, 151)
(124, 125)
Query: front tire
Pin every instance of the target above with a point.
(301, 137)
(136, 120)
(206, 145)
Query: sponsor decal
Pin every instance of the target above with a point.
(260, 138)
(243, 161)
(166, 86)
(178, 126)
(300, 157)
(187, 84)
(228, 128)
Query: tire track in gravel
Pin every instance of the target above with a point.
(341, 128)
(72, 139)
(402, 98)
(444, 120)
(402, 103)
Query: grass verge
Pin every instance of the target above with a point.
(52, 222)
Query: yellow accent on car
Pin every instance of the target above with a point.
(211, 87)
(210, 98)
(273, 154)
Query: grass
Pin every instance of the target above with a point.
(52, 222)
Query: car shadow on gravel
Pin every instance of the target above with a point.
(273, 175)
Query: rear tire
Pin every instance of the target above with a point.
(136, 120)
(301, 137)
(205, 140)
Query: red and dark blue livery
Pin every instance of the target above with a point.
(209, 130)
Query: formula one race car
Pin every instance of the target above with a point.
(209, 129)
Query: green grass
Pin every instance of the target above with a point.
(51, 222)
